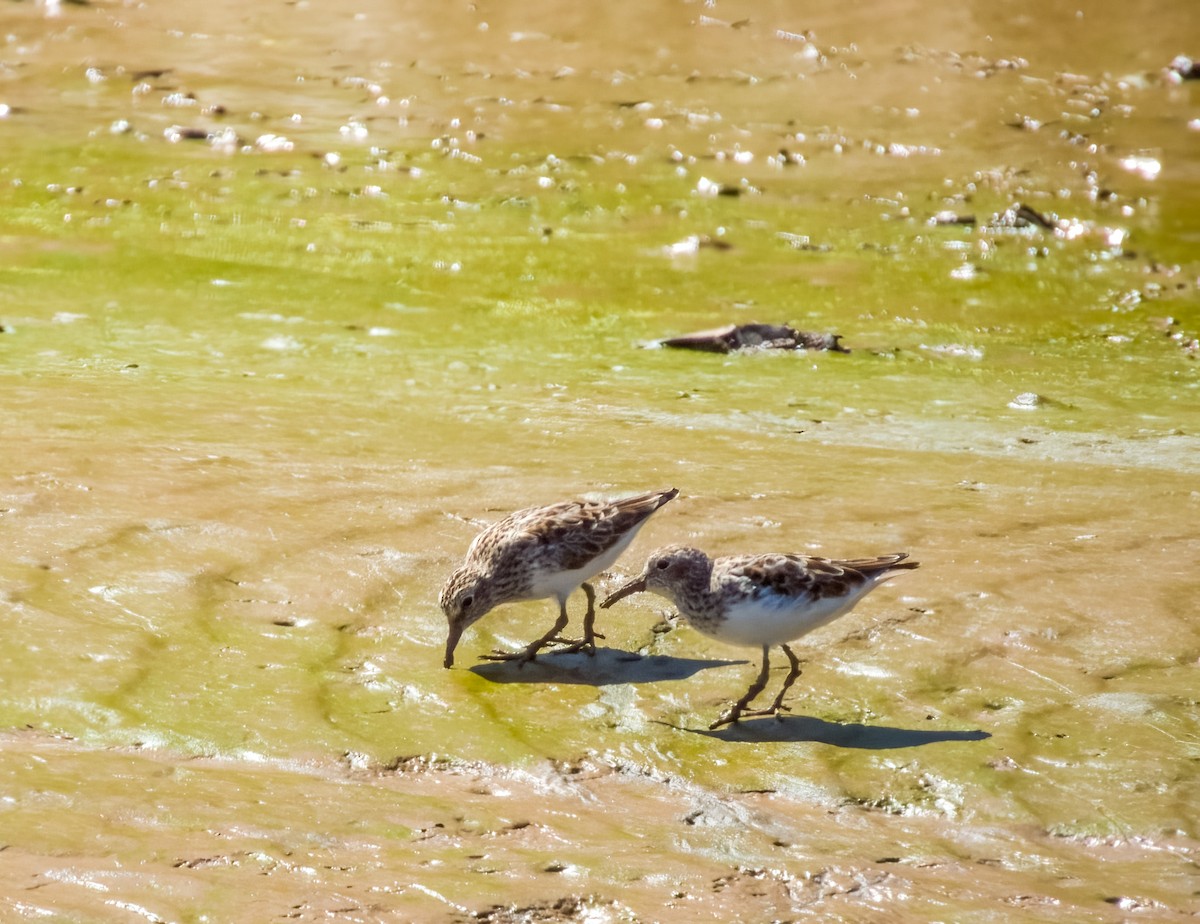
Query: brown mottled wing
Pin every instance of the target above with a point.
(580, 530)
(795, 576)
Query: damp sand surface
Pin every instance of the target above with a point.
(295, 298)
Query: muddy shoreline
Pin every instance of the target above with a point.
(294, 298)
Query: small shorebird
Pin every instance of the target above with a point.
(543, 552)
(760, 600)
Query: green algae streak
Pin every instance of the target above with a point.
(294, 299)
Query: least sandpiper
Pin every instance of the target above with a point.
(760, 600)
(543, 552)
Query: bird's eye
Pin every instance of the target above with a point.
(467, 601)
(662, 564)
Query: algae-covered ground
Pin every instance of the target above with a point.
(296, 297)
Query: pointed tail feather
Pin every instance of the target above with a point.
(882, 567)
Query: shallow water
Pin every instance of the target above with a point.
(259, 398)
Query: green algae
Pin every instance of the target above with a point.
(258, 402)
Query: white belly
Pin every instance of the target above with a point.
(776, 620)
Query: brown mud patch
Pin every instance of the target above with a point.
(439, 839)
(297, 295)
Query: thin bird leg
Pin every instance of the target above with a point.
(529, 652)
(588, 642)
(734, 712)
(787, 682)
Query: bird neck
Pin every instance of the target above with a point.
(694, 594)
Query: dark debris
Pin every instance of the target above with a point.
(756, 336)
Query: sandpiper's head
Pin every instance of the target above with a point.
(667, 569)
(465, 599)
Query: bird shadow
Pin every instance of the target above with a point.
(607, 666)
(796, 728)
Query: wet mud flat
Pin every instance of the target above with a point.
(295, 298)
(258, 743)
(439, 839)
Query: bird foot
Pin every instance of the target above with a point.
(737, 712)
(522, 657)
(571, 645)
(773, 710)
(729, 718)
(530, 652)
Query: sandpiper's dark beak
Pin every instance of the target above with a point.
(637, 585)
(452, 643)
